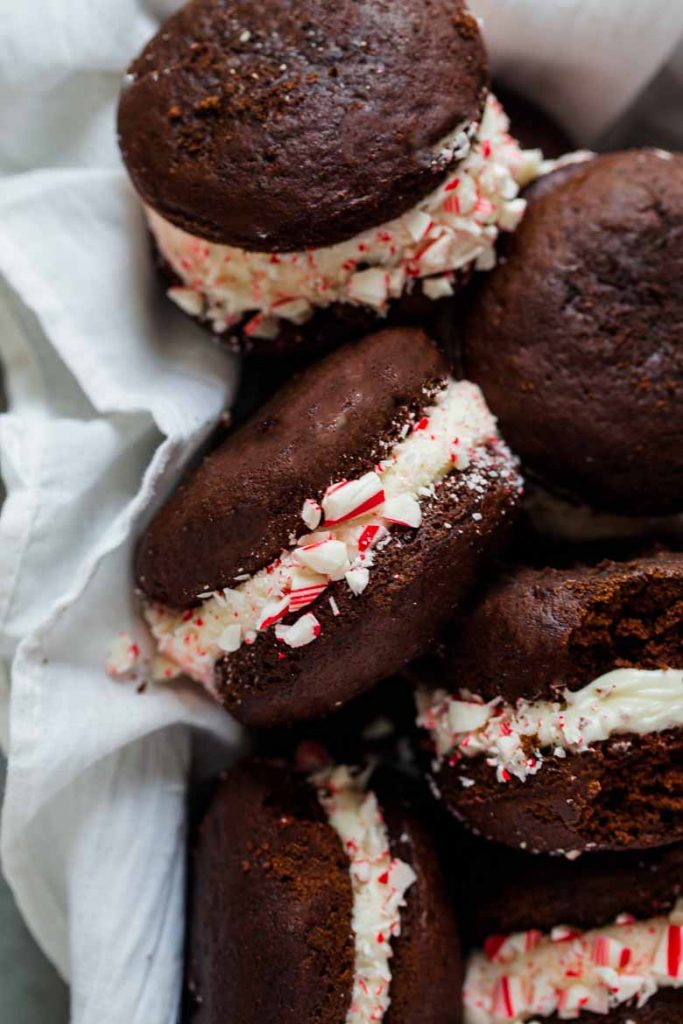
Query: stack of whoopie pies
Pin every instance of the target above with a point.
(333, 186)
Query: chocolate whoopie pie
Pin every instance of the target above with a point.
(599, 939)
(315, 899)
(327, 541)
(558, 724)
(575, 339)
(318, 157)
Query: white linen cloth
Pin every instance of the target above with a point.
(110, 392)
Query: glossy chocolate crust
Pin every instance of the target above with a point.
(236, 512)
(503, 892)
(270, 937)
(275, 127)
(420, 580)
(579, 329)
(557, 629)
(270, 924)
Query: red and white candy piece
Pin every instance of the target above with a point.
(501, 949)
(349, 499)
(608, 952)
(272, 612)
(122, 656)
(304, 631)
(563, 933)
(467, 716)
(668, 961)
(311, 513)
(622, 986)
(417, 223)
(357, 580)
(187, 299)
(327, 557)
(305, 588)
(574, 999)
(296, 310)
(509, 999)
(404, 510)
(370, 535)
(230, 639)
(370, 287)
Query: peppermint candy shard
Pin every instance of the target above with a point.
(273, 612)
(302, 632)
(357, 580)
(311, 513)
(404, 510)
(352, 498)
(230, 639)
(327, 557)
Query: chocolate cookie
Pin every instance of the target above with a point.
(298, 125)
(302, 158)
(312, 902)
(326, 542)
(575, 339)
(560, 724)
(559, 940)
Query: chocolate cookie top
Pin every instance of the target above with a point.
(503, 891)
(575, 336)
(271, 896)
(292, 879)
(235, 514)
(275, 127)
(557, 629)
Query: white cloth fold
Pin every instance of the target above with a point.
(110, 392)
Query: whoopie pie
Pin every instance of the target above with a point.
(318, 898)
(575, 338)
(596, 940)
(327, 541)
(318, 157)
(557, 722)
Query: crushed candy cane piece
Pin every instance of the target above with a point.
(404, 510)
(230, 639)
(122, 656)
(352, 498)
(357, 580)
(327, 557)
(311, 514)
(302, 632)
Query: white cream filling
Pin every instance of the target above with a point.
(456, 225)
(513, 738)
(379, 883)
(356, 519)
(528, 976)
